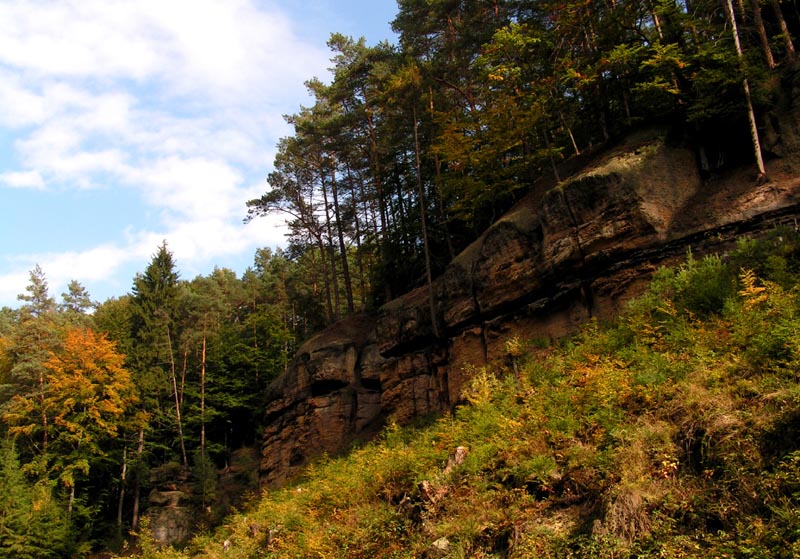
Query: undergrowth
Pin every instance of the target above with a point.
(673, 432)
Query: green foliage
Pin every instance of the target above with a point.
(79, 390)
(429, 141)
(670, 433)
(33, 524)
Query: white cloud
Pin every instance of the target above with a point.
(212, 46)
(198, 244)
(194, 189)
(86, 38)
(179, 102)
(18, 105)
(94, 264)
(11, 285)
(23, 179)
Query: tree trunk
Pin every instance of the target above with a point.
(203, 396)
(326, 279)
(762, 173)
(742, 11)
(121, 501)
(656, 21)
(440, 199)
(404, 214)
(569, 131)
(348, 286)
(177, 402)
(362, 284)
(376, 164)
(550, 152)
(762, 34)
(423, 225)
(137, 491)
(183, 371)
(331, 253)
(44, 410)
(787, 37)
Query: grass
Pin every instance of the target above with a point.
(673, 432)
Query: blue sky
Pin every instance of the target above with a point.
(124, 123)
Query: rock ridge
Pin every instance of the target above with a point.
(577, 251)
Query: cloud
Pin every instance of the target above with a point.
(194, 189)
(92, 265)
(23, 179)
(97, 263)
(178, 103)
(191, 45)
(11, 285)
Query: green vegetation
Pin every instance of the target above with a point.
(673, 432)
(100, 404)
(414, 149)
(667, 433)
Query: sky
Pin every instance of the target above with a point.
(124, 124)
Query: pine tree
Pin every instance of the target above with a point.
(76, 303)
(152, 362)
(36, 335)
(32, 523)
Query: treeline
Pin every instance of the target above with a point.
(412, 150)
(101, 403)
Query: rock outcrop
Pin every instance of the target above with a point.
(170, 513)
(576, 251)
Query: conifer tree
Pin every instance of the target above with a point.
(152, 363)
(32, 522)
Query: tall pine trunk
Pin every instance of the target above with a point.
(203, 396)
(348, 286)
(137, 490)
(177, 402)
(762, 172)
(121, 501)
(325, 278)
(331, 253)
(787, 37)
(762, 34)
(423, 225)
(376, 165)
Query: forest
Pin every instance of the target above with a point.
(401, 161)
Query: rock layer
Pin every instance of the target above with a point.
(560, 257)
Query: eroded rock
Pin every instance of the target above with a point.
(560, 257)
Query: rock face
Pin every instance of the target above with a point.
(170, 512)
(577, 251)
(171, 517)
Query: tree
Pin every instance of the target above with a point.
(152, 362)
(87, 392)
(762, 172)
(76, 303)
(38, 301)
(32, 522)
(28, 347)
(294, 193)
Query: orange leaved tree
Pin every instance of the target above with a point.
(87, 392)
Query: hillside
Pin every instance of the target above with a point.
(669, 432)
(569, 253)
(565, 254)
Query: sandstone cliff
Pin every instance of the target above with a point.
(561, 256)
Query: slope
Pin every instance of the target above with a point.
(669, 432)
